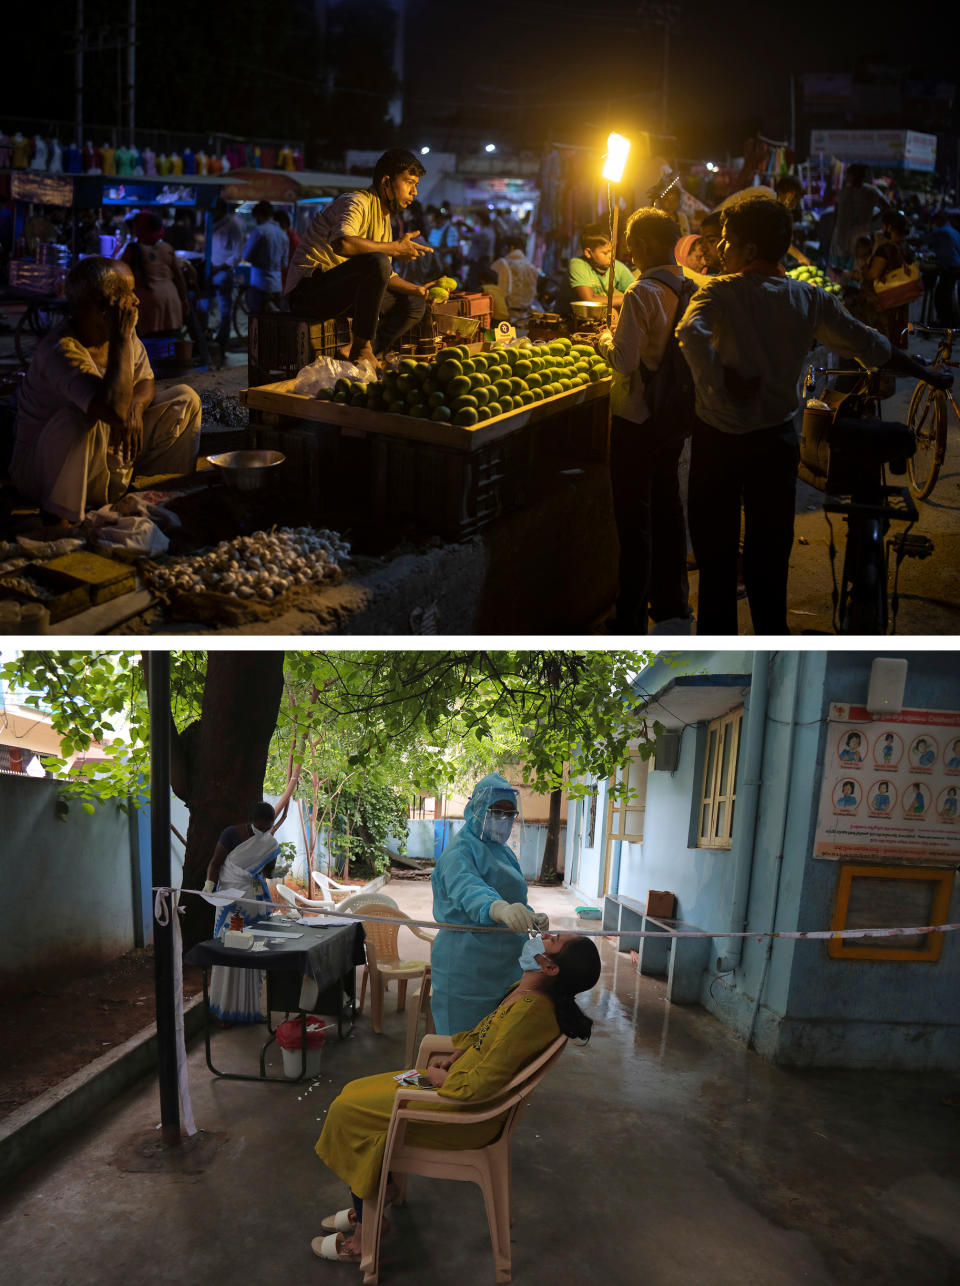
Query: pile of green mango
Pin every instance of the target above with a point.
(816, 277)
(463, 388)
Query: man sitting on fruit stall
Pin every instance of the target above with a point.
(746, 336)
(89, 415)
(342, 266)
(588, 275)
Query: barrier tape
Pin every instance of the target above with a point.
(358, 916)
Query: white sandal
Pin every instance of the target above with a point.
(326, 1248)
(340, 1222)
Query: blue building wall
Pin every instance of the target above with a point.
(873, 1012)
(789, 999)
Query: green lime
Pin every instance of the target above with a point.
(594, 375)
(484, 394)
(533, 380)
(412, 395)
(418, 410)
(459, 384)
(449, 370)
(537, 394)
(437, 399)
(495, 409)
(464, 401)
(566, 385)
(324, 395)
(466, 417)
(406, 381)
(483, 413)
(340, 396)
(503, 387)
(469, 366)
(430, 385)
(522, 367)
(517, 385)
(407, 364)
(441, 413)
(507, 403)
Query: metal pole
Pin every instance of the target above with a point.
(615, 202)
(78, 72)
(663, 86)
(158, 665)
(131, 70)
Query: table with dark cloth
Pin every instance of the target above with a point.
(327, 955)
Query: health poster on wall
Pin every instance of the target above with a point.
(890, 787)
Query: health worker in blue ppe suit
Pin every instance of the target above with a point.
(478, 881)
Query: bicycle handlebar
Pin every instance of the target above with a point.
(914, 328)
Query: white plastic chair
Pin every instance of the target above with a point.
(488, 1167)
(297, 900)
(359, 899)
(327, 885)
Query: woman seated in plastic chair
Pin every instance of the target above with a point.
(534, 1012)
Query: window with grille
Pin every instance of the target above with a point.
(718, 795)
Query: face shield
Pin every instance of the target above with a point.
(503, 824)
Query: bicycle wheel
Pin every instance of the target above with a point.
(865, 576)
(927, 421)
(240, 316)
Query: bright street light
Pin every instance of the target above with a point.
(424, 151)
(491, 147)
(617, 150)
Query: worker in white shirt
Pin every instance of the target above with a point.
(746, 335)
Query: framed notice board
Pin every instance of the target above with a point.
(885, 897)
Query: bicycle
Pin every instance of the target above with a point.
(845, 451)
(927, 415)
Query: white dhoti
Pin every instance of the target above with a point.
(70, 468)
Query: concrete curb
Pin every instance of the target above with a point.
(30, 1131)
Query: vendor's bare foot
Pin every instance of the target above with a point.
(364, 353)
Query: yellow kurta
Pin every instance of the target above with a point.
(355, 1132)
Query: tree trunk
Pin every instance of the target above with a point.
(241, 698)
(551, 850)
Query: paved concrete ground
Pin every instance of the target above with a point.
(662, 1153)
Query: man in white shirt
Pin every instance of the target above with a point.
(342, 266)
(516, 276)
(89, 415)
(644, 455)
(226, 247)
(746, 336)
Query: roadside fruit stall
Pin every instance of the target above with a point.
(503, 443)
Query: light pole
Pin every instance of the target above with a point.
(618, 148)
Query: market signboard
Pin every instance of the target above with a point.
(891, 787)
(899, 147)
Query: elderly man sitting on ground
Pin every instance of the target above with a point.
(89, 415)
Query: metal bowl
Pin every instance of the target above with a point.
(588, 309)
(245, 470)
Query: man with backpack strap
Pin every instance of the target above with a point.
(653, 412)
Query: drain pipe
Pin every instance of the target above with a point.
(781, 840)
(748, 798)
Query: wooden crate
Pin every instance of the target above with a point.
(280, 344)
(350, 464)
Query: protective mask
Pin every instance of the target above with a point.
(497, 828)
(532, 948)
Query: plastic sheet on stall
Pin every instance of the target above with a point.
(323, 372)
